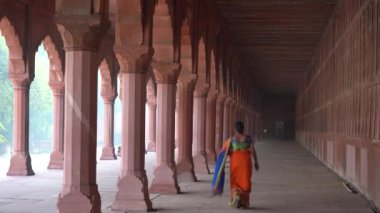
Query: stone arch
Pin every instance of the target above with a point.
(202, 69)
(186, 48)
(110, 64)
(213, 75)
(16, 61)
(164, 29)
(151, 91)
(56, 75)
(220, 75)
(108, 79)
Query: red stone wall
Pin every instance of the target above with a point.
(338, 106)
(279, 108)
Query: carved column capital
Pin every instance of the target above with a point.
(228, 101)
(20, 81)
(82, 32)
(233, 103)
(133, 58)
(212, 95)
(166, 72)
(201, 90)
(220, 98)
(58, 89)
(187, 81)
(152, 104)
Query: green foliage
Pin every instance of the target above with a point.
(41, 100)
(3, 140)
(6, 96)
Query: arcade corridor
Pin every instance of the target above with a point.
(290, 181)
(303, 77)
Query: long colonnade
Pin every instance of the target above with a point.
(156, 49)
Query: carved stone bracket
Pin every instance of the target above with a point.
(201, 89)
(187, 81)
(82, 32)
(20, 80)
(212, 95)
(166, 72)
(134, 59)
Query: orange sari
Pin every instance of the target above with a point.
(240, 171)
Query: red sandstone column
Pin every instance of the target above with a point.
(134, 56)
(219, 139)
(176, 121)
(108, 151)
(199, 129)
(151, 126)
(185, 165)
(232, 115)
(56, 157)
(81, 40)
(210, 127)
(133, 182)
(20, 162)
(165, 175)
(226, 118)
(152, 107)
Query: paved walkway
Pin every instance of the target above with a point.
(290, 181)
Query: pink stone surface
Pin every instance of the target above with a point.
(132, 183)
(56, 157)
(79, 188)
(108, 151)
(219, 139)
(210, 128)
(151, 128)
(151, 121)
(226, 119)
(21, 162)
(185, 165)
(199, 135)
(165, 177)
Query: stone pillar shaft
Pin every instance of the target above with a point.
(21, 164)
(185, 165)
(165, 180)
(56, 157)
(199, 132)
(232, 118)
(210, 128)
(151, 127)
(226, 119)
(108, 151)
(133, 183)
(219, 123)
(79, 175)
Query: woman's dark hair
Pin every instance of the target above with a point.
(239, 127)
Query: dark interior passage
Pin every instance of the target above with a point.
(278, 117)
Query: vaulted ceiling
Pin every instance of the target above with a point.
(276, 38)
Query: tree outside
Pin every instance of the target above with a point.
(41, 103)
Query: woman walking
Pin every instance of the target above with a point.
(239, 148)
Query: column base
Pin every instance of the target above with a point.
(151, 147)
(164, 181)
(108, 153)
(211, 158)
(21, 165)
(56, 160)
(76, 202)
(200, 165)
(185, 172)
(132, 194)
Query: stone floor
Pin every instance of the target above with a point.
(290, 180)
